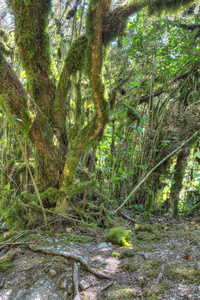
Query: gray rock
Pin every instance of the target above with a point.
(84, 284)
(64, 284)
(103, 245)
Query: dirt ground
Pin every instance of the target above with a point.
(163, 262)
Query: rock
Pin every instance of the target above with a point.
(103, 245)
(84, 284)
(52, 272)
(49, 240)
(64, 284)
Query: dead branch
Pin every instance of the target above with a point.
(76, 282)
(52, 251)
(128, 218)
(160, 275)
(106, 287)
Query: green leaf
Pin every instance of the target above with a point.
(58, 37)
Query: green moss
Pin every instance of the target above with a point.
(116, 254)
(4, 35)
(158, 7)
(128, 267)
(5, 264)
(143, 227)
(152, 268)
(76, 54)
(119, 236)
(121, 294)
(52, 195)
(190, 275)
(77, 238)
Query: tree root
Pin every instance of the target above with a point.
(52, 251)
(76, 282)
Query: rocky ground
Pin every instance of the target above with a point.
(163, 262)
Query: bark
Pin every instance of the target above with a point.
(15, 100)
(176, 187)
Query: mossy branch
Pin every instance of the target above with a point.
(32, 39)
(17, 102)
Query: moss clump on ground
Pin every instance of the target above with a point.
(121, 294)
(119, 236)
(190, 275)
(152, 267)
(128, 267)
(143, 227)
(5, 264)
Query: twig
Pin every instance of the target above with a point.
(160, 275)
(105, 287)
(15, 238)
(154, 168)
(51, 212)
(128, 218)
(76, 282)
(14, 244)
(50, 250)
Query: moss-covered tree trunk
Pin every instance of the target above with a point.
(177, 184)
(42, 111)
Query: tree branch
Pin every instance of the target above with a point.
(17, 102)
(32, 39)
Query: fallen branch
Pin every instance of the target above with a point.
(128, 218)
(15, 244)
(76, 282)
(52, 251)
(105, 287)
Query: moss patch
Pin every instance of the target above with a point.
(119, 236)
(5, 264)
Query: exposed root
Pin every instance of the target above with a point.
(76, 282)
(52, 251)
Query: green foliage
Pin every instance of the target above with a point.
(4, 35)
(119, 236)
(52, 195)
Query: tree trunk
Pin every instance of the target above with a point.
(177, 185)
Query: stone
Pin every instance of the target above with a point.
(64, 284)
(103, 245)
(84, 284)
(52, 272)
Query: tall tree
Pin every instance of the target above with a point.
(42, 111)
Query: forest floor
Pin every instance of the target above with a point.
(163, 262)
